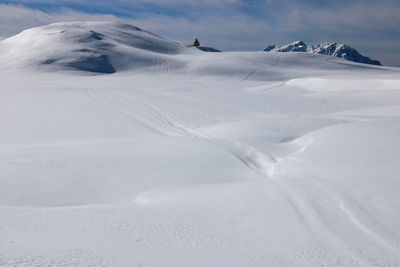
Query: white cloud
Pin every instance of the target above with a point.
(15, 18)
(228, 33)
(356, 21)
(131, 3)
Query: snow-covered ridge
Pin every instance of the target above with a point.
(108, 47)
(89, 46)
(328, 48)
(96, 46)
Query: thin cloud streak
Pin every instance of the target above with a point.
(16, 18)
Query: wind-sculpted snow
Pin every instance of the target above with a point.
(189, 158)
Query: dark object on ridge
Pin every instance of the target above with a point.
(196, 43)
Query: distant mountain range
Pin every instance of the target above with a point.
(328, 48)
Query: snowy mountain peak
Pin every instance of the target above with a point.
(343, 51)
(328, 48)
(269, 48)
(298, 46)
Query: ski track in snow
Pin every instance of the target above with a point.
(329, 218)
(313, 216)
(357, 215)
(250, 74)
(163, 123)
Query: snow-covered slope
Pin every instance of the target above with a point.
(223, 159)
(90, 46)
(328, 48)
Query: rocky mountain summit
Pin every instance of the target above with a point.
(329, 48)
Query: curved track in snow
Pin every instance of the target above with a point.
(163, 123)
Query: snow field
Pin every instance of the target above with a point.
(197, 159)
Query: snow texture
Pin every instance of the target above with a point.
(121, 148)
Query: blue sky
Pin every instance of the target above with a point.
(372, 27)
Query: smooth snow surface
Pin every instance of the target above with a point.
(186, 158)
